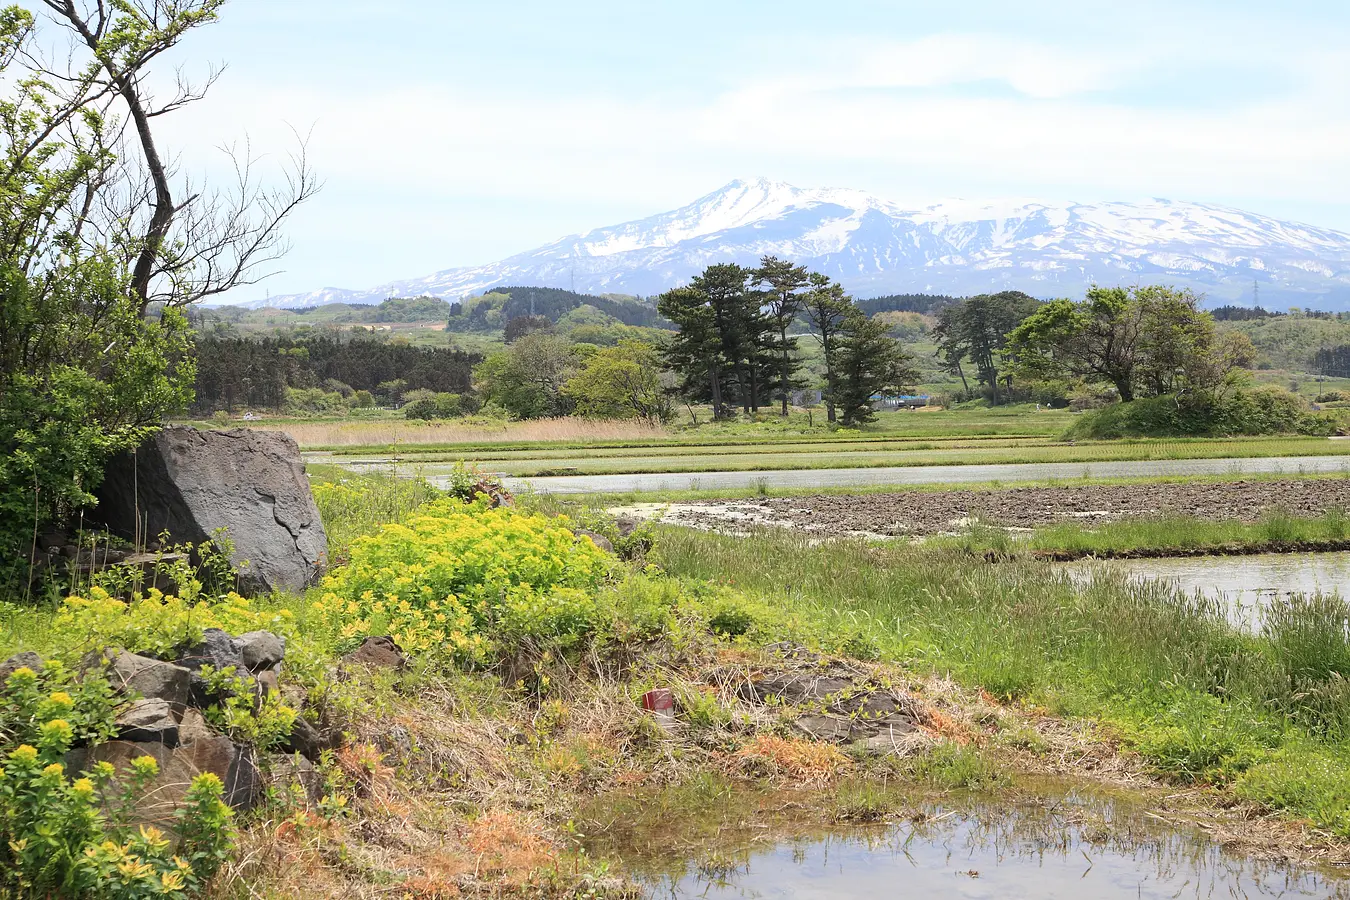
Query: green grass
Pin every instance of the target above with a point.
(1167, 673)
(352, 506)
(1167, 535)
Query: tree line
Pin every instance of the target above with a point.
(245, 373)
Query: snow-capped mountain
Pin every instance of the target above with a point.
(873, 247)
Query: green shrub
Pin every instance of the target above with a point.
(1266, 410)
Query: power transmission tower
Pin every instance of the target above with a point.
(1256, 294)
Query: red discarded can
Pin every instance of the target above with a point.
(661, 700)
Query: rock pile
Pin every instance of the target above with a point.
(160, 715)
(836, 703)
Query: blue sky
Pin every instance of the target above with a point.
(452, 133)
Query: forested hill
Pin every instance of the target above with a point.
(499, 305)
(926, 304)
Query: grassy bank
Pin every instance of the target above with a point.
(519, 713)
(1265, 717)
(1277, 532)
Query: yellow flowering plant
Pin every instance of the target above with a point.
(70, 835)
(453, 577)
(156, 623)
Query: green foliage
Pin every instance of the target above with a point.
(444, 581)
(1142, 341)
(248, 717)
(527, 378)
(351, 506)
(74, 837)
(870, 363)
(263, 372)
(66, 406)
(1266, 410)
(435, 406)
(621, 382)
(977, 329)
(955, 766)
(1200, 737)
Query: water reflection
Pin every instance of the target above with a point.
(1069, 847)
(1243, 585)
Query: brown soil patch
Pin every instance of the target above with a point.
(923, 512)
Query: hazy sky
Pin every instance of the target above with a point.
(452, 133)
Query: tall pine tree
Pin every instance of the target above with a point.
(827, 307)
(782, 286)
(871, 363)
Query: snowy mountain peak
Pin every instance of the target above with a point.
(955, 246)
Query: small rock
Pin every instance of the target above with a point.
(52, 540)
(193, 727)
(307, 740)
(796, 688)
(395, 742)
(289, 770)
(149, 720)
(151, 678)
(27, 659)
(377, 653)
(891, 738)
(234, 765)
(626, 525)
(267, 682)
(825, 728)
(217, 650)
(599, 540)
(260, 650)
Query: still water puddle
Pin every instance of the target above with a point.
(1244, 585)
(1065, 845)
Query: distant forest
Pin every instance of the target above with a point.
(1333, 362)
(552, 303)
(242, 373)
(926, 304)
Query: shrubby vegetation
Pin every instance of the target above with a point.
(453, 576)
(102, 250)
(1266, 410)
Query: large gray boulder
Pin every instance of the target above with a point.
(190, 483)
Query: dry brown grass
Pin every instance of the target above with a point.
(799, 761)
(388, 432)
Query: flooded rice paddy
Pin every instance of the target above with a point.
(1244, 585)
(439, 473)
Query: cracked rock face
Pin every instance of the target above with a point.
(251, 483)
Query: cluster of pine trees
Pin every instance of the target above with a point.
(733, 348)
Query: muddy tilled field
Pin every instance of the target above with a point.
(934, 512)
